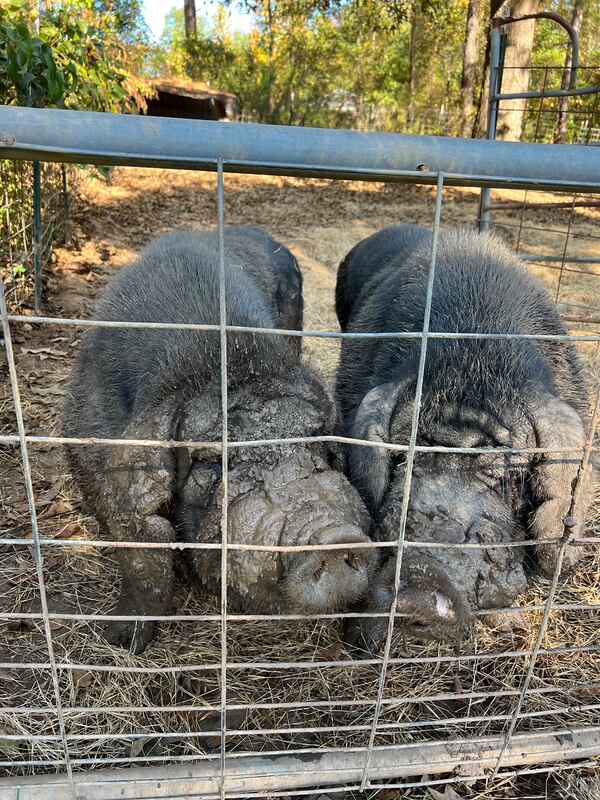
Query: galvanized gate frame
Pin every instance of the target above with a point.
(496, 96)
(84, 137)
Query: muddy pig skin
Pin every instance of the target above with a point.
(484, 393)
(166, 385)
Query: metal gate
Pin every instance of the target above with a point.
(81, 137)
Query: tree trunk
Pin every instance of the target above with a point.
(480, 120)
(518, 54)
(560, 134)
(271, 49)
(412, 67)
(189, 13)
(470, 53)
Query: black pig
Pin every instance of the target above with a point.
(476, 393)
(165, 384)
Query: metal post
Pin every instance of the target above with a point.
(65, 194)
(37, 235)
(497, 48)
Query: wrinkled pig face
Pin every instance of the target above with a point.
(459, 500)
(462, 500)
(279, 495)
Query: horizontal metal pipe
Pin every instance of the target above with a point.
(500, 206)
(269, 775)
(425, 782)
(89, 137)
(198, 758)
(240, 755)
(563, 232)
(547, 93)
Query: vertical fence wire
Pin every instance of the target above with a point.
(37, 550)
(410, 456)
(224, 466)
(37, 236)
(565, 248)
(577, 488)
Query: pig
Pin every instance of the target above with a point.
(166, 385)
(484, 393)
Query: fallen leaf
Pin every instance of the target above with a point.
(49, 495)
(74, 530)
(82, 678)
(387, 794)
(55, 625)
(18, 625)
(335, 652)
(59, 507)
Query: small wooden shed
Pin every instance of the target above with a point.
(190, 100)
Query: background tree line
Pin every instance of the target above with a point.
(372, 63)
(385, 64)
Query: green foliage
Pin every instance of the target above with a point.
(28, 72)
(77, 60)
(347, 62)
(324, 62)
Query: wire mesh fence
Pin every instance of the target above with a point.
(34, 216)
(248, 704)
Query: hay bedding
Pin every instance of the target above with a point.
(320, 221)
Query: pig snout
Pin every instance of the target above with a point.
(428, 605)
(432, 607)
(319, 581)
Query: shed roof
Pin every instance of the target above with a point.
(196, 90)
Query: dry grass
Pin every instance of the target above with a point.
(319, 221)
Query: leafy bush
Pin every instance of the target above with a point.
(77, 60)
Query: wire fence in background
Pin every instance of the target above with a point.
(34, 217)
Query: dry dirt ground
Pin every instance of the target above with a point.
(104, 706)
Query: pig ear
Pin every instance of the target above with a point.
(553, 477)
(140, 480)
(369, 466)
